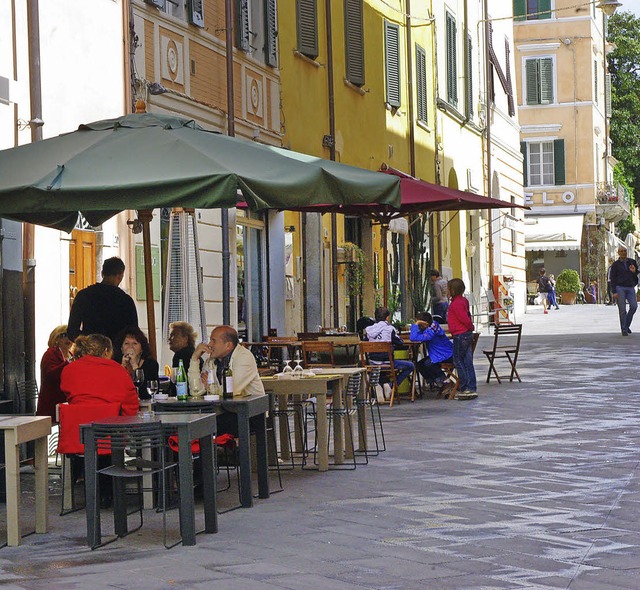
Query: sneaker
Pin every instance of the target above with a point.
(625, 333)
(467, 394)
(388, 390)
(379, 394)
(557, 307)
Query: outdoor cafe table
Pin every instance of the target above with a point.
(317, 386)
(18, 430)
(251, 411)
(188, 427)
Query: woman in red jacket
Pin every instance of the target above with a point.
(461, 328)
(94, 378)
(55, 358)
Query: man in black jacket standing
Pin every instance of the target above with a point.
(103, 308)
(623, 275)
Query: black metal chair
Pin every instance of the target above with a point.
(370, 400)
(142, 440)
(506, 345)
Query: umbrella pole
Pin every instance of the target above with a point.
(145, 218)
(385, 265)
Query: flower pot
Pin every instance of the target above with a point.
(568, 298)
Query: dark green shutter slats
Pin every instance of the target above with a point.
(531, 75)
(558, 161)
(354, 41)
(392, 62)
(544, 9)
(270, 33)
(523, 149)
(520, 12)
(421, 83)
(196, 13)
(469, 77)
(519, 9)
(546, 80)
(507, 65)
(243, 40)
(307, 27)
(452, 66)
(539, 75)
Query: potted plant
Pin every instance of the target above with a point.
(568, 285)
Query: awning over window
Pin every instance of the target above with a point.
(553, 232)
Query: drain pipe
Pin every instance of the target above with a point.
(332, 156)
(487, 100)
(28, 246)
(231, 131)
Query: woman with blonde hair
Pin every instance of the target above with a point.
(55, 358)
(93, 377)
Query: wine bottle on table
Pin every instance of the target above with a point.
(228, 382)
(181, 383)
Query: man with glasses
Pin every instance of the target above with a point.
(623, 275)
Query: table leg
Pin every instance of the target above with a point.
(42, 487)
(321, 433)
(94, 536)
(244, 436)
(12, 467)
(283, 428)
(121, 526)
(362, 415)
(262, 456)
(208, 459)
(185, 470)
(338, 390)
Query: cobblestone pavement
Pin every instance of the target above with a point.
(532, 485)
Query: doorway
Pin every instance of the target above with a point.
(82, 261)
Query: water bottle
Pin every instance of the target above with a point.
(181, 383)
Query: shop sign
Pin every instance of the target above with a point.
(566, 198)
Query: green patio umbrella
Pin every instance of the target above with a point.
(146, 161)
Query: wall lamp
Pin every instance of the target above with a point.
(289, 228)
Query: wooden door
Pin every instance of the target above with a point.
(82, 261)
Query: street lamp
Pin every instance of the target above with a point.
(608, 6)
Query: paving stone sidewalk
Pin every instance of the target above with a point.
(532, 485)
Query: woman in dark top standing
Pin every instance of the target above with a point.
(134, 346)
(55, 358)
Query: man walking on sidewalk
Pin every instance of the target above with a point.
(623, 275)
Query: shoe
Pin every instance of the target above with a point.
(379, 394)
(557, 307)
(467, 394)
(388, 390)
(545, 311)
(629, 330)
(625, 333)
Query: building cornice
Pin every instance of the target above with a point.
(546, 128)
(538, 47)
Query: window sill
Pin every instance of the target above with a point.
(424, 126)
(306, 59)
(358, 89)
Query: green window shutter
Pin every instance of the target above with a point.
(558, 161)
(533, 85)
(595, 81)
(392, 62)
(243, 40)
(544, 8)
(546, 80)
(452, 66)
(196, 13)
(469, 77)
(525, 163)
(519, 9)
(270, 33)
(307, 27)
(421, 83)
(607, 95)
(354, 41)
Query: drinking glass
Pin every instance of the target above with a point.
(298, 370)
(152, 388)
(138, 381)
(287, 367)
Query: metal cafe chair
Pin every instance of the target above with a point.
(143, 440)
(506, 345)
(370, 400)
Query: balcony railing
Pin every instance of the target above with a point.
(613, 200)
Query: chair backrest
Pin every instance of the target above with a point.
(71, 416)
(507, 336)
(25, 402)
(317, 353)
(132, 437)
(379, 348)
(309, 335)
(353, 385)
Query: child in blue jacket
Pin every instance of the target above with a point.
(439, 347)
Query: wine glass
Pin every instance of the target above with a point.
(138, 380)
(298, 370)
(287, 367)
(152, 388)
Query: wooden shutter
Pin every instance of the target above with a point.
(392, 62)
(421, 83)
(196, 13)
(507, 67)
(452, 66)
(354, 41)
(519, 9)
(469, 78)
(243, 40)
(307, 26)
(546, 80)
(558, 161)
(525, 163)
(532, 76)
(544, 9)
(270, 33)
(607, 94)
